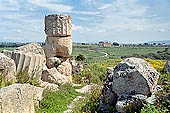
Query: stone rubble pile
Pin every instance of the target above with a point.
(58, 48)
(50, 66)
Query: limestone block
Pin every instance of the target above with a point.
(33, 63)
(167, 67)
(7, 53)
(52, 60)
(65, 68)
(134, 76)
(19, 98)
(32, 48)
(7, 67)
(48, 86)
(58, 25)
(77, 67)
(60, 47)
(110, 70)
(53, 76)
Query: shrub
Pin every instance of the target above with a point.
(149, 109)
(80, 57)
(4, 82)
(95, 70)
(56, 64)
(157, 64)
(23, 76)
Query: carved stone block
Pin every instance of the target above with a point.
(60, 47)
(58, 25)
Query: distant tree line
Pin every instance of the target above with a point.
(146, 45)
(129, 45)
(160, 55)
(4, 45)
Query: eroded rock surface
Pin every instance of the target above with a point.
(48, 86)
(33, 48)
(134, 76)
(167, 67)
(7, 53)
(20, 98)
(58, 25)
(60, 47)
(32, 63)
(53, 61)
(65, 68)
(53, 76)
(77, 67)
(131, 83)
(7, 67)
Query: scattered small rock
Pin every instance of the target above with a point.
(86, 89)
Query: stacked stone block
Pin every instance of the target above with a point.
(58, 44)
(58, 30)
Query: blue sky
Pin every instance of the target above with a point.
(124, 21)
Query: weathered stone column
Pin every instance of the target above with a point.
(58, 46)
(58, 29)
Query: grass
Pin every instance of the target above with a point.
(95, 70)
(7, 48)
(57, 102)
(94, 51)
(91, 51)
(90, 103)
(4, 82)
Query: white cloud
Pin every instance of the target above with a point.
(74, 27)
(85, 12)
(163, 30)
(17, 30)
(139, 29)
(101, 31)
(84, 19)
(121, 16)
(9, 5)
(60, 7)
(51, 6)
(105, 6)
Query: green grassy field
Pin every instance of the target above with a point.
(90, 51)
(94, 51)
(8, 48)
